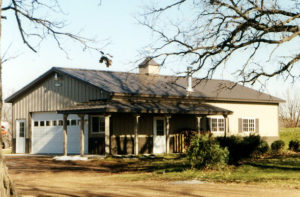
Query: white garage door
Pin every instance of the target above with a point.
(47, 134)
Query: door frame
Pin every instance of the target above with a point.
(19, 148)
(155, 134)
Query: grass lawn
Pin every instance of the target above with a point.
(288, 134)
(283, 170)
(275, 170)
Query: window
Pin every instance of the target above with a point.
(60, 122)
(98, 124)
(54, 122)
(160, 130)
(22, 129)
(36, 123)
(68, 122)
(217, 124)
(73, 122)
(248, 125)
(47, 123)
(42, 123)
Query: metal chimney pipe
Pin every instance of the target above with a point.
(189, 87)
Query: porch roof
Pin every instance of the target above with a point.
(144, 107)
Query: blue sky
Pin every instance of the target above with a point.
(112, 21)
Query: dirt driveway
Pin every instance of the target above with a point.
(41, 176)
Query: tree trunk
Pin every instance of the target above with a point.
(6, 185)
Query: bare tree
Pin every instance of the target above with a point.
(290, 110)
(208, 33)
(35, 22)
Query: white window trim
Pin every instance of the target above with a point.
(19, 127)
(100, 116)
(53, 124)
(249, 118)
(37, 122)
(71, 122)
(218, 130)
(154, 124)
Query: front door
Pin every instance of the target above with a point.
(159, 136)
(20, 136)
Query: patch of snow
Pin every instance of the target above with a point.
(70, 158)
(187, 182)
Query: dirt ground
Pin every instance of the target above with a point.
(41, 176)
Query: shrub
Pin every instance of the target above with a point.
(205, 152)
(277, 145)
(243, 147)
(294, 145)
(262, 148)
(250, 144)
(233, 144)
(188, 135)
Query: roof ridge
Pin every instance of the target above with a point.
(132, 73)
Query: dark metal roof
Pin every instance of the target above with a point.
(142, 107)
(159, 85)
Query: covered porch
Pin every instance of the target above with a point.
(117, 127)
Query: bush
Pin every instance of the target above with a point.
(205, 152)
(250, 144)
(188, 136)
(263, 148)
(233, 144)
(294, 145)
(243, 147)
(277, 145)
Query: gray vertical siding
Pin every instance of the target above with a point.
(45, 96)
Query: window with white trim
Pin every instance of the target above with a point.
(248, 125)
(73, 122)
(217, 124)
(160, 128)
(60, 122)
(98, 124)
(22, 129)
(36, 123)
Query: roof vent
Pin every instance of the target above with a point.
(149, 67)
(189, 87)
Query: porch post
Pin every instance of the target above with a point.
(107, 134)
(168, 134)
(198, 124)
(136, 136)
(65, 135)
(226, 125)
(81, 135)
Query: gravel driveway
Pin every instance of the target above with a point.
(41, 176)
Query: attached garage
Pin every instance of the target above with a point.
(47, 133)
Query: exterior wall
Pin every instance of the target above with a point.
(266, 113)
(46, 97)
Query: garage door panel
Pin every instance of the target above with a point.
(74, 136)
(49, 139)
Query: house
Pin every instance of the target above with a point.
(73, 111)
